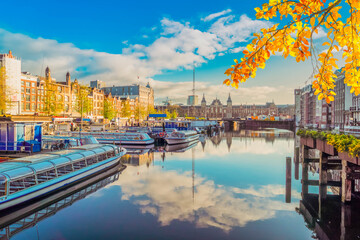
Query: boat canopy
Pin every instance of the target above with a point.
(19, 173)
(60, 161)
(34, 158)
(77, 156)
(11, 165)
(42, 166)
(98, 150)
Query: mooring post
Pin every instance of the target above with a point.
(345, 220)
(304, 152)
(288, 180)
(296, 162)
(323, 175)
(305, 178)
(345, 182)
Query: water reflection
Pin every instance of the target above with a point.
(178, 195)
(228, 186)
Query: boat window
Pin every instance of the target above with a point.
(111, 153)
(46, 176)
(91, 160)
(102, 157)
(79, 165)
(64, 170)
(3, 187)
(22, 183)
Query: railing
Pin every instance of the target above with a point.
(11, 146)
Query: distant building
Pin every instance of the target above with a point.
(216, 110)
(192, 100)
(143, 94)
(13, 81)
(97, 84)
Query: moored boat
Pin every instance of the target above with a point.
(117, 137)
(178, 137)
(28, 178)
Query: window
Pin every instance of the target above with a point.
(28, 98)
(59, 89)
(28, 84)
(91, 160)
(33, 106)
(33, 98)
(3, 181)
(46, 176)
(22, 183)
(66, 98)
(33, 84)
(22, 97)
(33, 90)
(22, 90)
(22, 83)
(66, 107)
(79, 165)
(27, 106)
(64, 170)
(28, 90)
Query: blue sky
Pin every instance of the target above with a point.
(116, 41)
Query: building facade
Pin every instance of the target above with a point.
(217, 110)
(143, 95)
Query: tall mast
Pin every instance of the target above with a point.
(193, 90)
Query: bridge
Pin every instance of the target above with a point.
(233, 123)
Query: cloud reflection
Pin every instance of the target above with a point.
(168, 196)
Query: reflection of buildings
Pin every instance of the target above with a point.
(10, 225)
(138, 157)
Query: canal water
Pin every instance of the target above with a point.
(229, 186)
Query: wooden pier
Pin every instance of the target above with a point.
(329, 159)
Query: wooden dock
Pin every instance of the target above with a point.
(329, 159)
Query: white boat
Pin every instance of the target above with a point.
(28, 178)
(117, 137)
(178, 137)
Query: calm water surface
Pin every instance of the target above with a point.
(225, 187)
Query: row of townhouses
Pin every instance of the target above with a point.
(217, 110)
(27, 93)
(342, 113)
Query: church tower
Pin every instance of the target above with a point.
(229, 107)
(68, 78)
(47, 73)
(203, 106)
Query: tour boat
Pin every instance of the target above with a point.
(117, 137)
(28, 178)
(24, 217)
(178, 137)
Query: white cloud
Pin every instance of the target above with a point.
(178, 46)
(212, 206)
(216, 15)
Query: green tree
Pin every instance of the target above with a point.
(125, 109)
(53, 102)
(174, 114)
(83, 103)
(3, 93)
(109, 109)
(140, 112)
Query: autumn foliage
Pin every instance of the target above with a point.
(305, 18)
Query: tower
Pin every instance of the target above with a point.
(229, 107)
(47, 73)
(68, 78)
(203, 106)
